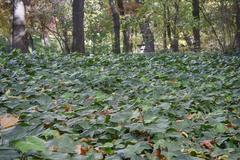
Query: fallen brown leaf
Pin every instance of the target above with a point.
(8, 120)
(81, 150)
(208, 144)
(53, 149)
(157, 153)
(106, 112)
(67, 108)
(190, 117)
(86, 140)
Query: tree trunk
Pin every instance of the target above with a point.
(169, 33)
(126, 40)
(116, 27)
(223, 22)
(19, 38)
(165, 25)
(188, 40)
(148, 37)
(126, 29)
(237, 2)
(45, 37)
(175, 44)
(78, 44)
(65, 34)
(196, 28)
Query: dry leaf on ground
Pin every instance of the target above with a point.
(8, 120)
(208, 144)
(81, 150)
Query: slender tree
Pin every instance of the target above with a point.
(175, 43)
(169, 32)
(116, 27)
(78, 44)
(237, 4)
(196, 28)
(165, 24)
(19, 38)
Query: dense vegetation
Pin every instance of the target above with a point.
(174, 106)
(119, 79)
(121, 26)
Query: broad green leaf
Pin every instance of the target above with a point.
(44, 100)
(30, 144)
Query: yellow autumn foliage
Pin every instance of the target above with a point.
(5, 17)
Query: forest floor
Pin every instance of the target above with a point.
(168, 106)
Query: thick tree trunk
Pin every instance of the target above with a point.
(126, 29)
(196, 28)
(175, 43)
(148, 37)
(116, 27)
(19, 38)
(237, 2)
(78, 44)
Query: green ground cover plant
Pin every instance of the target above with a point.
(166, 106)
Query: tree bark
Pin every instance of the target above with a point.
(237, 2)
(19, 38)
(196, 28)
(116, 27)
(65, 34)
(188, 40)
(78, 44)
(126, 29)
(148, 37)
(169, 33)
(165, 25)
(175, 43)
(126, 40)
(223, 22)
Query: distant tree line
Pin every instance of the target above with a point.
(122, 25)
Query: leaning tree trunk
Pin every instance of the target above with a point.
(196, 28)
(116, 27)
(78, 44)
(237, 2)
(19, 38)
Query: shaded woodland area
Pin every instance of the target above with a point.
(121, 26)
(119, 79)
